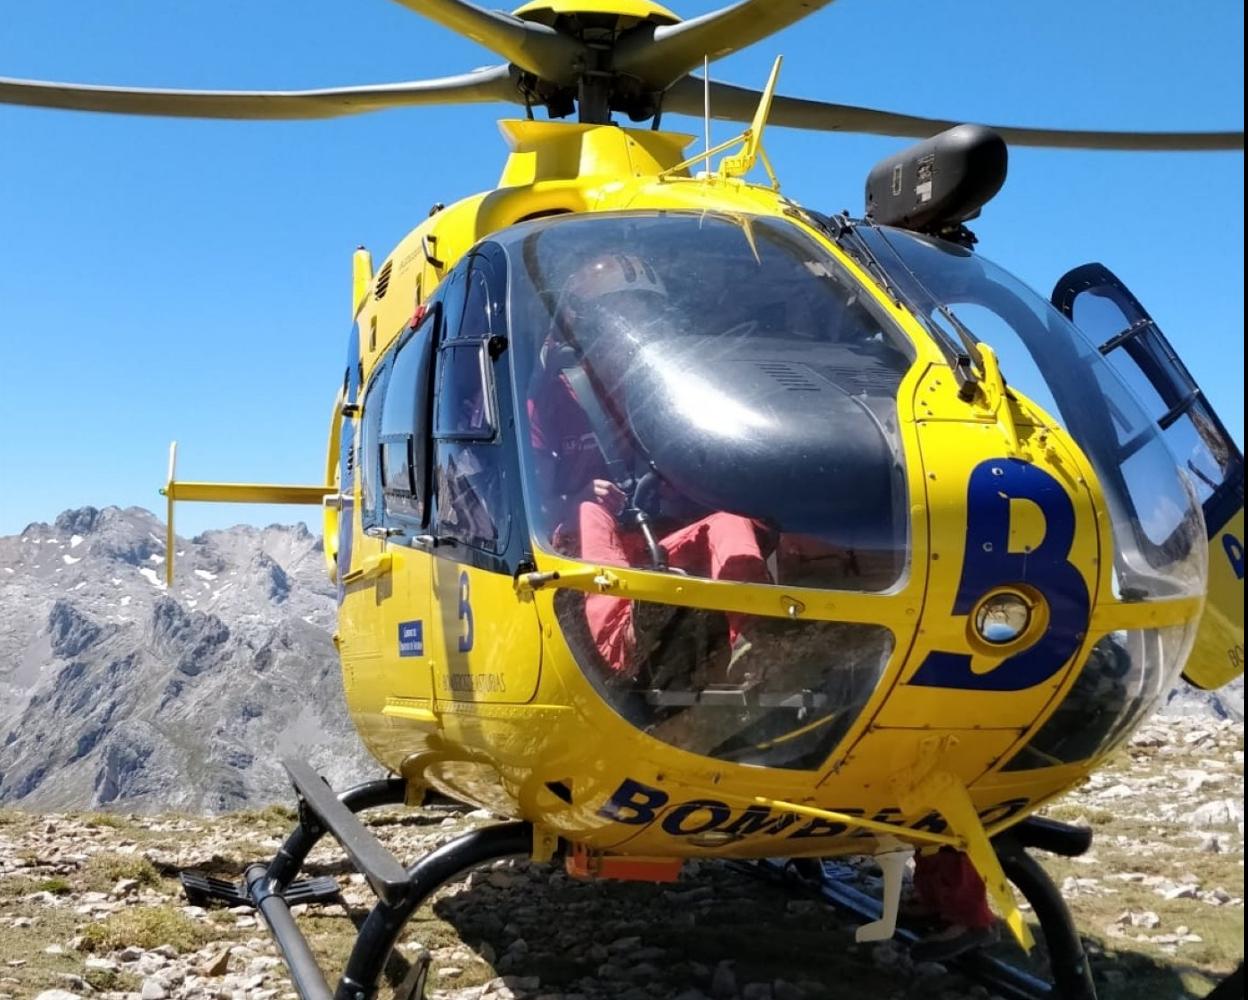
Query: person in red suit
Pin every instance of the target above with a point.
(584, 502)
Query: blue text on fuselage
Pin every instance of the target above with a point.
(635, 803)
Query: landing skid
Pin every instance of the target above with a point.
(1071, 973)
(273, 888)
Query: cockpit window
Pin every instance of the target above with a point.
(1158, 533)
(707, 395)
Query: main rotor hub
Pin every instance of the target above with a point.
(617, 14)
(599, 89)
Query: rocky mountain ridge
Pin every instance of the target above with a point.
(115, 690)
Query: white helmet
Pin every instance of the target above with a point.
(611, 273)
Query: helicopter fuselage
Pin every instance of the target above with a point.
(467, 664)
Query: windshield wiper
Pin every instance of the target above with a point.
(844, 233)
(840, 228)
(964, 361)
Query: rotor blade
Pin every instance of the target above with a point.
(534, 47)
(659, 55)
(737, 104)
(480, 86)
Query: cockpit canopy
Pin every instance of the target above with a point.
(707, 363)
(714, 396)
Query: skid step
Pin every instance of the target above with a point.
(380, 868)
(205, 890)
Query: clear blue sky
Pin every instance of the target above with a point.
(163, 278)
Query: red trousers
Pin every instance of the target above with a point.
(948, 884)
(720, 546)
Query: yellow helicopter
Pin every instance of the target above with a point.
(885, 554)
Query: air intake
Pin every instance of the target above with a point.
(383, 281)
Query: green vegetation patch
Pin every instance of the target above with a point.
(103, 871)
(278, 815)
(108, 980)
(144, 927)
(110, 820)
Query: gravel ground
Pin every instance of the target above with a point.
(90, 906)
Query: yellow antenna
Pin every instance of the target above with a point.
(751, 139)
(706, 107)
(752, 148)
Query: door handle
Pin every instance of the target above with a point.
(371, 568)
(383, 531)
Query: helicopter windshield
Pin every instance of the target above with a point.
(1158, 532)
(713, 396)
(677, 365)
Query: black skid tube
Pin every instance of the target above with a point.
(1051, 835)
(264, 884)
(1068, 962)
(384, 924)
(266, 896)
(270, 888)
(1003, 979)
